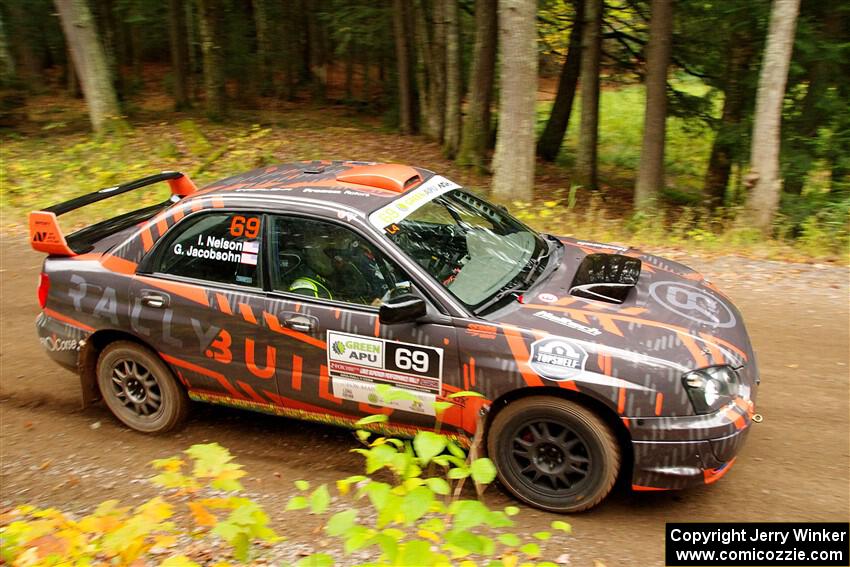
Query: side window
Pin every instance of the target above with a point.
(325, 260)
(220, 247)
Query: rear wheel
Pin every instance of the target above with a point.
(140, 389)
(554, 454)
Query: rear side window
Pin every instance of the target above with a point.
(219, 247)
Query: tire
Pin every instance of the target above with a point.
(554, 454)
(139, 389)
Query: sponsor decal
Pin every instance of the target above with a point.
(567, 322)
(692, 303)
(358, 364)
(366, 392)
(356, 350)
(55, 344)
(557, 358)
(547, 297)
(399, 209)
(482, 331)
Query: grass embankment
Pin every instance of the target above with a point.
(56, 160)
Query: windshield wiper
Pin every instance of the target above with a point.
(530, 272)
(536, 264)
(500, 295)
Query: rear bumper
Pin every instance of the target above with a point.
(678, 452)
(61, 341)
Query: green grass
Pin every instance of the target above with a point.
(620, 136)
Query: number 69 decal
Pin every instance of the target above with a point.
(247, 227)
(416, 360)
(413, 359)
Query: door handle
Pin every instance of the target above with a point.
(300, 323)
(154, 299)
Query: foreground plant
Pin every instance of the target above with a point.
(406, 509)
(419, 518)
(156, 530)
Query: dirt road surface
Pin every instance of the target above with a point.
(795, 466)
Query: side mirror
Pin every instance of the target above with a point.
(403, 309)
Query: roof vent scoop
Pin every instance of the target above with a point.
(389, 176)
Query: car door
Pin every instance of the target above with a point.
(327, 282)
(196, 301)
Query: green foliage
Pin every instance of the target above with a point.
(810, 226)
(125, 535)
(419, 518)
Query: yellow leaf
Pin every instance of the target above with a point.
(509, 560)
(427, 534)
(155, 509)
(165, 541)
(202, 515)
(178, 561)
(99, 524)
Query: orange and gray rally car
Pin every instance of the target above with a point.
(312, 289)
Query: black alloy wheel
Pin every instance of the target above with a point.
(554, 454)
(140, 389)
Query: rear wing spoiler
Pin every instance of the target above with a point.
(46, 236)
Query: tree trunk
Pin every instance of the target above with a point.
(179, 54)
(22, 36)
(90, 62)
(316, 58)
(264, 48)
(513, 163)
(7, 62)
(549, 144)
(735, 100)
(451, 137)
(349, 71)
(650, 180)
(764, 150)
(476, 126)
(406, 118)
(192, 43)
(586, 167)
(290, 50)
(437, 73)
(209, 12)
(424, 67)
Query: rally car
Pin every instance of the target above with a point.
(312, 289)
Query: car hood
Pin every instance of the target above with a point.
(673, 319)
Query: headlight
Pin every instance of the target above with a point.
(711, 388)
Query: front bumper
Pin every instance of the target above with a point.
(676, 452)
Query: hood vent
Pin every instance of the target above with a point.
(606, 277)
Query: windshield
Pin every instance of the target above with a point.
(476, 250)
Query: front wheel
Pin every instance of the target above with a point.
(554, 454)
(140, 389)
